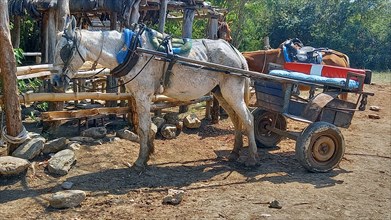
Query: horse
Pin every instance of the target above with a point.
(224, 31)
(186, 82)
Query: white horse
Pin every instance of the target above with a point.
(186, 82)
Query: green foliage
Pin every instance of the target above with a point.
(359, 28)
(29, 85)
(18, 55)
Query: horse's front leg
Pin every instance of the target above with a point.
(143, 107)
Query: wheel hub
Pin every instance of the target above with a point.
(323, 149)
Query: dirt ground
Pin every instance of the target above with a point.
(214, 188)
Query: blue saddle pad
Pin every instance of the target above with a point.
(121, 55)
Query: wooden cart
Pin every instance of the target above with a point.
(320, 146)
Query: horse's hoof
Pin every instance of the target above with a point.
(233, 156)
(251, 162)
(139, 168)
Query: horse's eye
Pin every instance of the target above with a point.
(66, 53)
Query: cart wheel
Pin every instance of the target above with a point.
(320, 147)
(264, 137)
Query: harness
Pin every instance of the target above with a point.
(68, 50)
(128, 56)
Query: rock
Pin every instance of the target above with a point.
(275, 204)
(153, 130)
(374, 108)
(67, 199)
(192, 121)
(111, 139)
(96, 132)
(29, 149)
(74, 146)
(33, 135)
(55, 145)
(171, 118)
(168, 131)
(174, 197)
(66, 185)
(3, 150)
(374, 116)
(82, 139)
(12, 165)
(61, 162)
(128, 135)
(179, 125)
(159, 122)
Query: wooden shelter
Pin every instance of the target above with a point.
(118, 14)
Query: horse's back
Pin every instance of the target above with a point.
(335, 58)
(219, 52)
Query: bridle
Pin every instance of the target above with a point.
(67, 52)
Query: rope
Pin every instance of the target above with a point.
(20, 138)
(5, 138)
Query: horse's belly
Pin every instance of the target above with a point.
(190, 84)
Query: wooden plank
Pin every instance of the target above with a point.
(44, 74)
(62, 97)
(270, 99)
(68, 115)
(269, 106)
(25, 70)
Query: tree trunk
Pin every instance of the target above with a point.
(15, 34)
(8, 72)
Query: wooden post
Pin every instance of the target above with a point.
(112, 82)
(187, 32)
(266, 43)
(212, 113)
(55, 24)
(131, 12)
(15, 34)
(162, 23)
(44, 37)
(162, 15)
(8, 75)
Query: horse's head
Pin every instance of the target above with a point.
(224, 31)
(69, 56)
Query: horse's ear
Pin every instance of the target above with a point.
(73, 23)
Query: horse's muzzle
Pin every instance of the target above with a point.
(59, 83)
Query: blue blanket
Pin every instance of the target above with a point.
(314, 79)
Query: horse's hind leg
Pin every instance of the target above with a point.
(232, 91)
(143, 107)
(238, 144)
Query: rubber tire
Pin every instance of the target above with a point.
(320, 131)
(261, 118)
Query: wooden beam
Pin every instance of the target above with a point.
(26, 70)
(43, 74)
(76, 114)
(12, 110)
(68, 115)
(62, 97)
